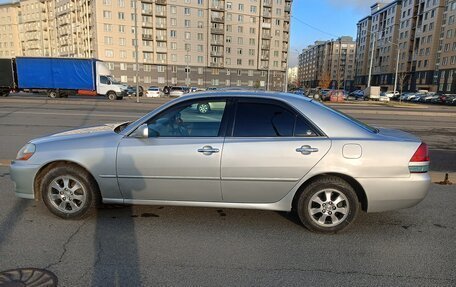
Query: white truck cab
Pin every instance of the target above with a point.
(107, 85)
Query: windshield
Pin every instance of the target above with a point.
(113, 80)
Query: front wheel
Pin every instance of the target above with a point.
(68, 191)
(327, 205)
(112, 96)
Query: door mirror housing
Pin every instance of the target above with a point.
(141, 132)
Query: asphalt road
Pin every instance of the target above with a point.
(26, 117)
(176, 246)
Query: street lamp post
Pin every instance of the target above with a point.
(372, 60)
(136, 51)
(397, 66)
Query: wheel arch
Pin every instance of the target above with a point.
(48, 166)
(357, 187)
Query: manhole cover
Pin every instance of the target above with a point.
(27, 277)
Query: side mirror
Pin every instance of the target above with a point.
(141, 132)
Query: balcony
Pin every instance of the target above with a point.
(264, 67)
(267, 3)
(147, 24)
(266, 25)
(218, 19)
(267, 14)
(266, 36)
(219, 31)
(160, 38)
(161, 49)
(160, 61)
(218, 6)
(286, 37)
(265, 57)
(266, 46)
(160, 2)
(216, 54)
(216, 65)
(160, 26)
(147, 37)
(288, 8)
(217, 42)
(161, 13)
(147, 11)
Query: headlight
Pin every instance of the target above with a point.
(26, 152)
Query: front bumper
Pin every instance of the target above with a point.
(385, 194)
(23, 176)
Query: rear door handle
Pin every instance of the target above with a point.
(208, 150)
(306, 149)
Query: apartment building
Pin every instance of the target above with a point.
(178, 42)
(328, 64)
(9, 30)
(417, 36)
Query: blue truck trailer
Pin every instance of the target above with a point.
(61, 77)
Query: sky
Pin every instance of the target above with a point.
(329, 19)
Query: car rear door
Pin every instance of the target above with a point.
(270, 148)
(180, 161)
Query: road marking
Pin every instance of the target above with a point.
(74, 114)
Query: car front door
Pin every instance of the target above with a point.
(180, 158)
(270, 149)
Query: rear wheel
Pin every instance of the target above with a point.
(203, 108)
(327, 205)
(68, 191)
(53, 94)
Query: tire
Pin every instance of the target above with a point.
(320, 213)
(203, 108)
(69, 191)
(111, 96)
(53, 94)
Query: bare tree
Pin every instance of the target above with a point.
(402, 79)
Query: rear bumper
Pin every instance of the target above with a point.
(23, 176)
(384, 194)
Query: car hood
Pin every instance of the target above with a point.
(79, 133)
(398, 134)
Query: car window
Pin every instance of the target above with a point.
(104, 80)
(195, 119)
(263, 120)
(303, 128)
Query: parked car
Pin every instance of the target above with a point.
(391, 94)
(178, 91)
(356, 95)
(451, 100)
(279, 152)
(154, 92)
(131, 91)
(383, 97)
(337, 95)
(324, 94)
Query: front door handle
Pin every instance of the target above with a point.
(208, 150)
(306, 149)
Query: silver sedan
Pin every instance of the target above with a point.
(254, 150)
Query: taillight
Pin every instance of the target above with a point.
(419, 163)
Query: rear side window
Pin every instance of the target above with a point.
(269, 120)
